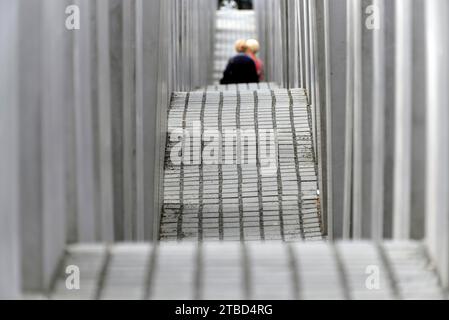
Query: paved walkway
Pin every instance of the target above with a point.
(251, 177)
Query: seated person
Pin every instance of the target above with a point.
(254, 47)
(241, 68)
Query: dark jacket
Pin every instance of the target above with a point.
(240, 69)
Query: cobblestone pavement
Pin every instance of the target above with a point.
(260, 182)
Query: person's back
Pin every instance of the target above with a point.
(240, 69)
(253, 48)
(259, 66)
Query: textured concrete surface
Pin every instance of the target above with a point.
(262, 182)
(234, 271)
(241, 87)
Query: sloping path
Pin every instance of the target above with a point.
(251, 177)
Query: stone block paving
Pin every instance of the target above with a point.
(239, 165)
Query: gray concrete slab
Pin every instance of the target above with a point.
(235, 271)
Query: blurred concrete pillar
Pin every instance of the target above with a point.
(284, 24)
(148, 129)
(314, 90)
(293, 68)
(410, 126)
(357, 109)
(437, 219)
(85, 221)
(70, 151)
(366, 138)
(324, 134)
(44, 88)
(55, 86)
(349, 125)
(10, 277)
(336, 104)
(301, 45)
(378, 125)
(133, 225)
(389, 125)
(116, 51)
(419, 94)
(274, 35)
(404, 114)
(307, 43)
(82, 226)
(195, 44)
(106, 187)
(358, 137)
(383, 121)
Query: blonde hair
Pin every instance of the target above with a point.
(253, 45)
(240, 46)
